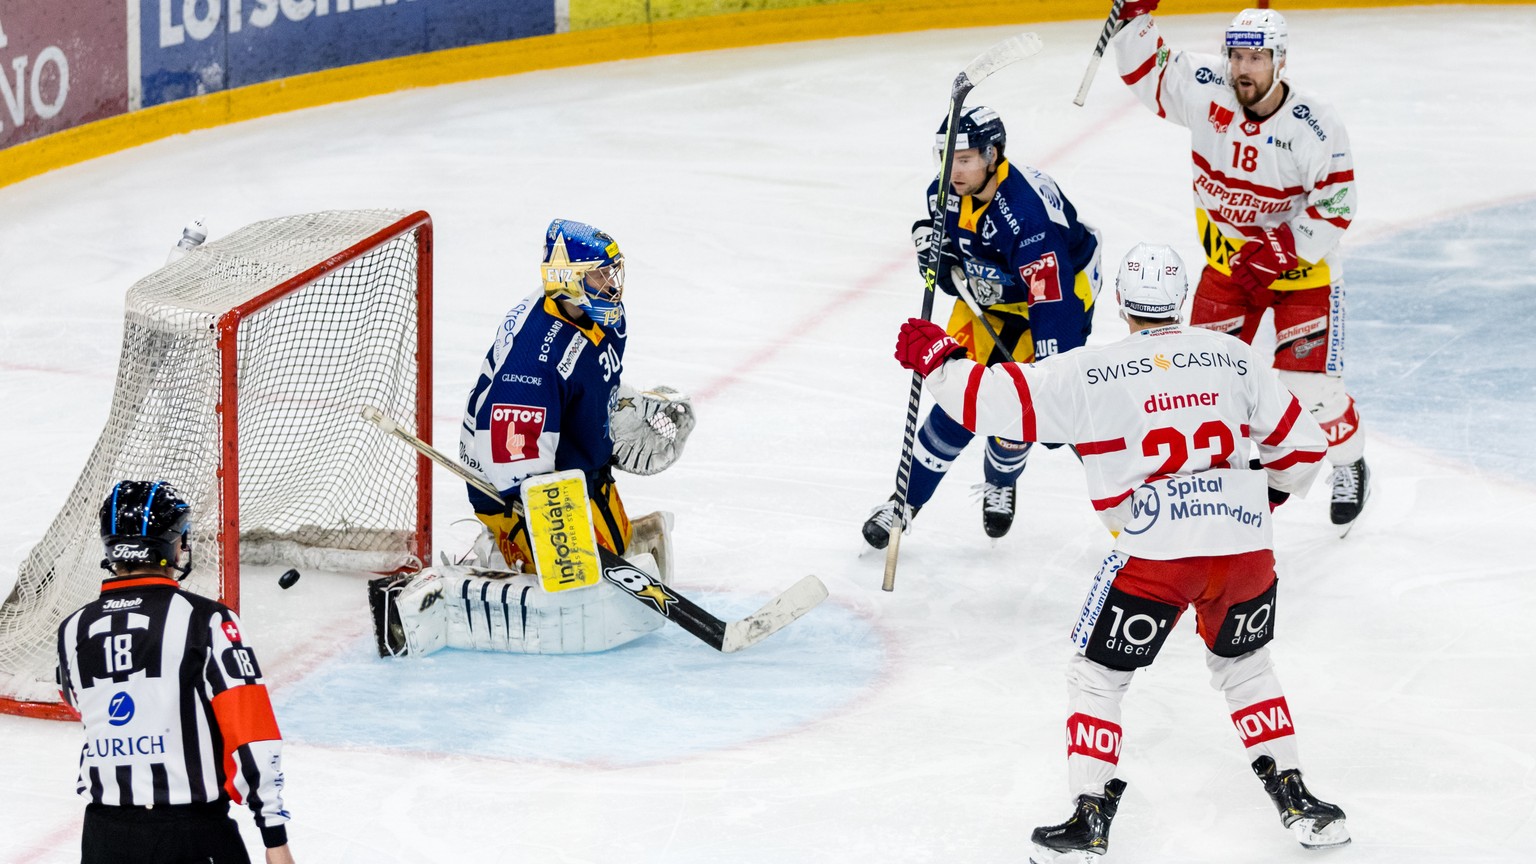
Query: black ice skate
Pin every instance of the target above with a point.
(996, 508)
(1350, 488)
(1084, 834)
(877, 528)
(1316, 824)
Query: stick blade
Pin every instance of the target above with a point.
(801, 598)
(1009, 50)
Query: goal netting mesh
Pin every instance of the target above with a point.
(244, 367)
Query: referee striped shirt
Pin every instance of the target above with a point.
(173, 703)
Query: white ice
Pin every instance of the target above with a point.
(763, 198)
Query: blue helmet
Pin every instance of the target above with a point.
(979, 128)
(585, 266)
(145, 522)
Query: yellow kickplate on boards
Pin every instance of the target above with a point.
(560, 529)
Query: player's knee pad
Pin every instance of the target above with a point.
(1230, 673)
(1322, 395)
(1248, 625)
(1118, 629)
(1094, 678)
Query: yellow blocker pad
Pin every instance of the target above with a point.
(560, 529)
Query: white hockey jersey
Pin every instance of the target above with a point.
(1293, 166)
(1161, 420)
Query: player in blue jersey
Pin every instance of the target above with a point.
(548, 387)
(549, 399)
(1015, 251)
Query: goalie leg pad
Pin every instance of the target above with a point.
(516, 615)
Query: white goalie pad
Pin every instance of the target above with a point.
(649, 428)
(480, 610)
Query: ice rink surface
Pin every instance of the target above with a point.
(763, 199)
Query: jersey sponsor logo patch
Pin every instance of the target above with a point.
(1221, 118)
(112, 605)
(572, 354)
(1043, 278)
(1305, 328)
(1250, 128)
(1303, 113)
(231, 631)
(988, 228)
(120, 709)
(512, 378)
(1091, 736)
(1264, 721)
(515, 431)
(1204, 75)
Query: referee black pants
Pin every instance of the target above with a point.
(168, 834)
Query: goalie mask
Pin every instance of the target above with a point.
(584, 265)
(145, 523)
(1152, 283)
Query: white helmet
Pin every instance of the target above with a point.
(1258, 28)
(1152, 282)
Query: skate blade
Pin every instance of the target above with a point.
(1327, 836)
(1044, 855)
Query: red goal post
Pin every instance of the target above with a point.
(243, 370)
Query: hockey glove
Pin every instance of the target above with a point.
(1136, 8)
(1257, 265)
(922, 238)
(923, 346)
(1276, 497)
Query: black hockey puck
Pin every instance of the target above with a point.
(287, 579)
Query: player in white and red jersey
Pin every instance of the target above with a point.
(1162, 420)
(1274, 184)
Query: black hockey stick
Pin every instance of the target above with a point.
(1003, 53)
(724, 636)
(1112, 26)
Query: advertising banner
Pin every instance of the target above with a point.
(58, 70)
(192, 47)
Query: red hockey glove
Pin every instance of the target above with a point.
(1134, 8)
(923, 346)
(1257, 265)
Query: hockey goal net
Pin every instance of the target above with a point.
(244, 367)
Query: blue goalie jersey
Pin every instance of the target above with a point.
(542, 399)
(1024, 253)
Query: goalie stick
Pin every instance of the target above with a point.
(1111, 27)
(1003, 53)
(727, 637)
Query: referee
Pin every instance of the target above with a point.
(177, 720)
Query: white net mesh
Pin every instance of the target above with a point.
(312, 474)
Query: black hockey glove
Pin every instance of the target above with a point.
(1276, 497)
(922, 238)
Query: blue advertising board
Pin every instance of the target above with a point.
(192, 47)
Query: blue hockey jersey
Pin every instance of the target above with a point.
(1024, 253)
(542, 399)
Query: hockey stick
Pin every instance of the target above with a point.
(1112, 26)
(1003, 53)
(725, 636)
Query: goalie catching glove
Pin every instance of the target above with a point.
(649, 428)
